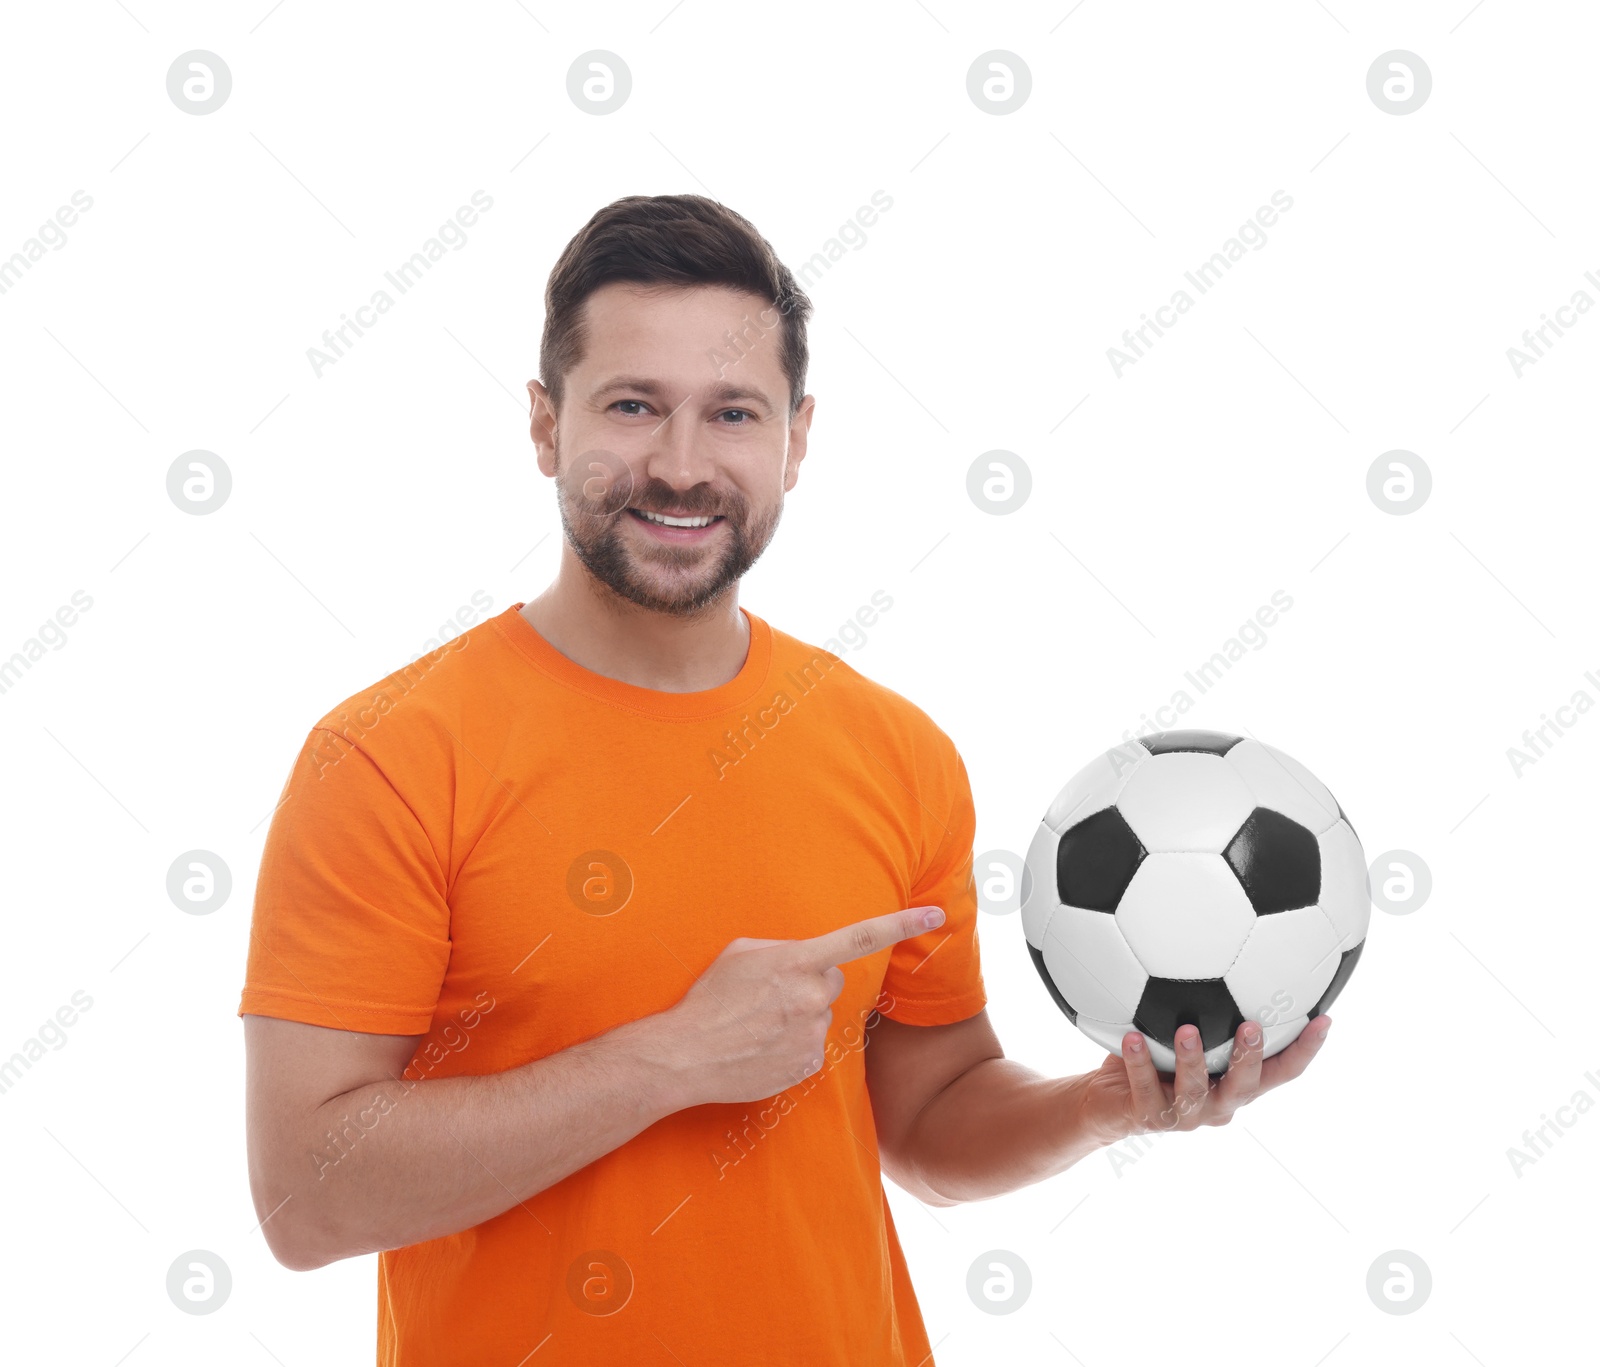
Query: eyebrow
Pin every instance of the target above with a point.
(721, 393)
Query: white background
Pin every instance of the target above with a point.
(370, 503)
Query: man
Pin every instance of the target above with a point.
(569, 938)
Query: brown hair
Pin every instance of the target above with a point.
(668, 240)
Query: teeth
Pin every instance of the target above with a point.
(666, 521)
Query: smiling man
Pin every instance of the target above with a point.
(603, 1042)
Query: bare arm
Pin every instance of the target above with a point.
(347, 1158)
(958, 1121)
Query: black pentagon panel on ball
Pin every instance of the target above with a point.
(1277, 862)
(1055, 992)
(1198, 742)
(1341, 975)
(1095, 861)
(1204, 1003)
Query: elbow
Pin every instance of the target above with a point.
(292, 1226)
(300, 1250)
(910, 1180)
(291, 1245)
(929, 1197)
(295, 1259)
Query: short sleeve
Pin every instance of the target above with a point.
(937, 977)
(351, 924)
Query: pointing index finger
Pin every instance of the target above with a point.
(869, 936)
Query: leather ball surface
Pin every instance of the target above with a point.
(1194, 877)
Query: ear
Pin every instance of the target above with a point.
(542, 426)
(799, 432)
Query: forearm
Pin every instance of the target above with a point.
(397, 1162)
(997, 1127)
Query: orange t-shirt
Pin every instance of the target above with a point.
(508, 853)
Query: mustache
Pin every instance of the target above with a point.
(602, 484)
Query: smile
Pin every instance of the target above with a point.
(667, 520)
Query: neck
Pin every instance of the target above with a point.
(620, 640)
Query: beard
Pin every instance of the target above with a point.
(593, 497)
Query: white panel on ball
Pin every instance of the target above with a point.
(1276, 1038)
(1185, 802)
(1346, 895)
(1185, 915)
(1107, 1034)
(1039, 900)
(1284, 784)
(1092, 965)
(1286, 964)
(1095, 786)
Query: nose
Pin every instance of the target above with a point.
(677, 454)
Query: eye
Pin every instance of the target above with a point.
(745, 411)
(637, 403)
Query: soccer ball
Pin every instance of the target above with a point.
(1192, 877)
